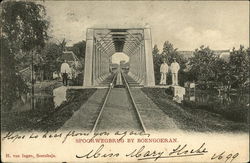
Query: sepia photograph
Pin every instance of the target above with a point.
(125, 81)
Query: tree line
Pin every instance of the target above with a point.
(24, 42)
(205, 68)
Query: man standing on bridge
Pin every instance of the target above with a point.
(65, 71)
(164, 72)
(174, 70)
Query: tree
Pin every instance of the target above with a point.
(239, 66)
(155, 51)
(168, 53)
(24, 31)
(79, 49)
(12, 85)
(202, 64)
(157, 62)
(208, 67)
(222, 72)
(62, 44)
(50, 54)
(24, 25)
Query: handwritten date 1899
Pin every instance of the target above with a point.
(223, 155)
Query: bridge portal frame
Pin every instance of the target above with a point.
(102, 43)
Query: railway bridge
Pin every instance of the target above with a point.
(122, 105)
(102, 43)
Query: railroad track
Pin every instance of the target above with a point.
(134, 104)
(103, 105)
(119, 81)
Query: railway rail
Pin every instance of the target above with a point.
(119, 81)
(104, 103)
(133, 103)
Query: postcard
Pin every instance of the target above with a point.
(125, 81)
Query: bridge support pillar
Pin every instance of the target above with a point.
(88, 58)
(150, 79)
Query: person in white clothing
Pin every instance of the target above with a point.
(164, 72)
(65, 71)
(174, 70)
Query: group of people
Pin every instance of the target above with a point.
(174, 68)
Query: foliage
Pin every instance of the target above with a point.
(207, 67)
(62, 44)
(12, 86)
(24, 32)
(222, 72)
(202, 64)
(168, 53)
(50, 54)
(24, 25)
(157, 62)
(79, 49)
(239, 66)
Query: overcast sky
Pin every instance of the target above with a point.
(188, 25)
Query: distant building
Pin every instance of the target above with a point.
(186, 54)
(26, 75)
(73, 61)
(39, 73)
(70, 57)
(223, 54)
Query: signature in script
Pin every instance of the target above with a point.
(144, 154)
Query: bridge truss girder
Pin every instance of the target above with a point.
(102, 43)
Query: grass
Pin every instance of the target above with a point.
(47, 119)
(197, 118)
(232, 113)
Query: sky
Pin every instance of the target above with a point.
(186, 24)
(117, 57)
